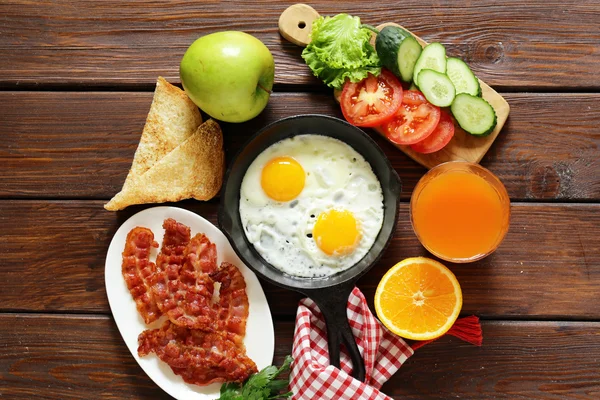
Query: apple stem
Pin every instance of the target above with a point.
(260, 86)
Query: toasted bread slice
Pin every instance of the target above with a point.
(173, 117)
(194, 169)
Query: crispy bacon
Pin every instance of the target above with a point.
(138, 270)
(199, 357)
(201, 255)
(188, 301)
(169, 262)
(232, 307)
(207, 306)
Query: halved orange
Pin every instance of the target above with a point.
(418, 298)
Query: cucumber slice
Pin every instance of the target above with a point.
(474, 114)
(432, 57)
(398, 51)
(462, 77)
(437, 87)
(413, 87)
(409, 53)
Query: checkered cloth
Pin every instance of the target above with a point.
(312, 378)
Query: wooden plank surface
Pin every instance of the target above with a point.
(75, 89)
(534, 44)
(76, 357)
(519, 360)
(53, 252)
(80, 145)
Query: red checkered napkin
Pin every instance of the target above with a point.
(312, 377)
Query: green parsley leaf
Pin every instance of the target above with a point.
(260, 386)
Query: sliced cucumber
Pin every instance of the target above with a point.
(398, 51)
(474, 114)
(409, 53)
(462, 77)
(437, 87)
(413, 87)
(432, 57)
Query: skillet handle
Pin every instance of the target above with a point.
(333, 303)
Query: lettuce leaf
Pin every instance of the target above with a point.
(340, 50)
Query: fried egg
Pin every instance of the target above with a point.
(311, 205)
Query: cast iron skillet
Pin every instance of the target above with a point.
(330, 293)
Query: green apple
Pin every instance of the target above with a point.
(229, 75)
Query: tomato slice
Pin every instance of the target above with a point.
(441, 135)
(372, 101)
(414, 121)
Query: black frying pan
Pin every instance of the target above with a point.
(330, 293)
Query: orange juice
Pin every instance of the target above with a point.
(460, 211)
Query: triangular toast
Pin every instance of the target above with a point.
(173, 117)
(194, 169)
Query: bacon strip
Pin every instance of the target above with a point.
(201, 255)
(188, 300)
(232, 307)
(201, 358)
(138, 270)
(169, 262)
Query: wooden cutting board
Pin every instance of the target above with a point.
(295, 24)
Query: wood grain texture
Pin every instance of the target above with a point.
(295, 23)
(75, 357)
(518, 360)
(63, 154)
(53, 253)
(80, 145)
(534, 44)
(68, 357)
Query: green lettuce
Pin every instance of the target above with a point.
(340, 50)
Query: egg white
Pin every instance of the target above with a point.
(337, 177)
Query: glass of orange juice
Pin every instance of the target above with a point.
(460, 211)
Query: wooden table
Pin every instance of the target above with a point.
(76, 80)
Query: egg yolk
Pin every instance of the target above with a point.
(336, 232)
(283, 178)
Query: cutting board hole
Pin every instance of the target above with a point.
(301, 24)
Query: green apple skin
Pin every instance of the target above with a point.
(229, 75)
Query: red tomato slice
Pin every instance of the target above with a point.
(371, 101)
(414, 121)
(441, 135)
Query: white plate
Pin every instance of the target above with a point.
(259, 340)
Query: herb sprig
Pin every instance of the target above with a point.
(260, 386)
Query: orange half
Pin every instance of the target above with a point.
(418, 298)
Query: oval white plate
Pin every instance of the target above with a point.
(259, 340)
